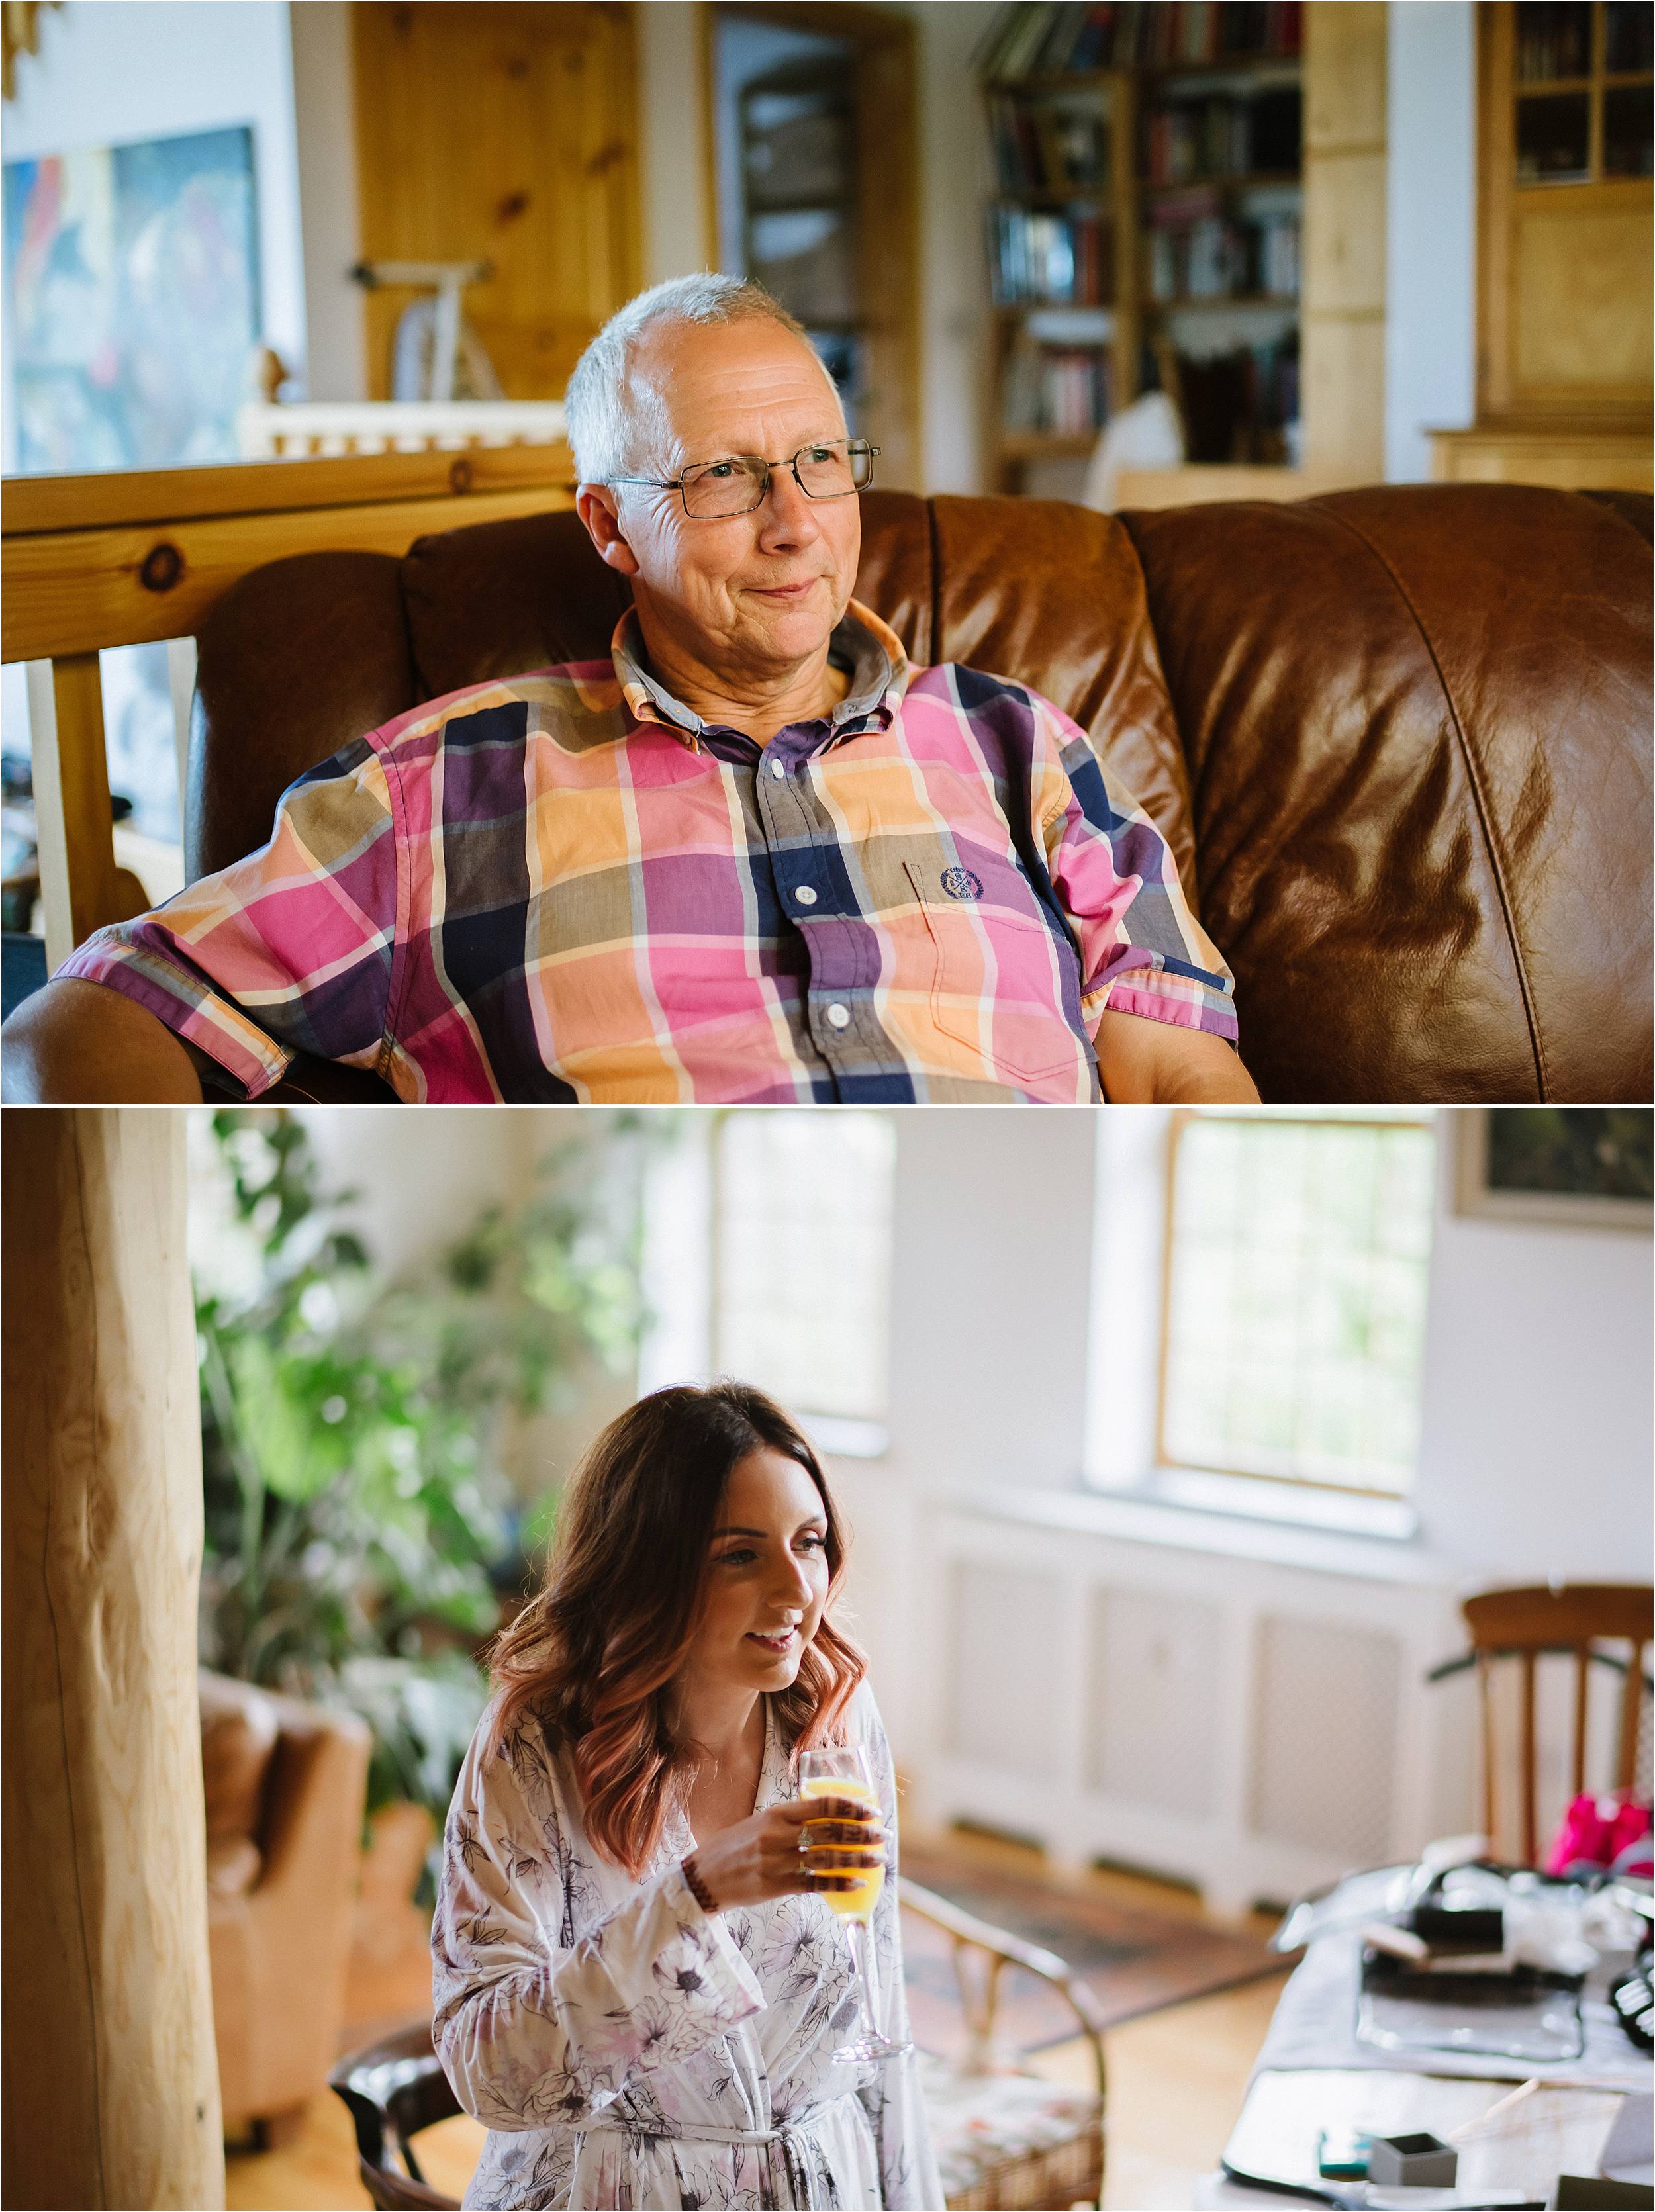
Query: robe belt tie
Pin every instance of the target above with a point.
(788, 2135)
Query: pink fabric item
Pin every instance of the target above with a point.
(1599, 1832)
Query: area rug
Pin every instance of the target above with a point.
(1132, 1958)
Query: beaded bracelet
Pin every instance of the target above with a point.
(696, 1885)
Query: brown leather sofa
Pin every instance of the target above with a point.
(1398, 737)
(286, 1785)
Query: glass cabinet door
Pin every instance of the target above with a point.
(1582, 83)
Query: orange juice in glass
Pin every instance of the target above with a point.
(842, 1771)
(855, 1904)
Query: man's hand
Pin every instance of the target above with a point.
(1148, 1063)
(76, 1043)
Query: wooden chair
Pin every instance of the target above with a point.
(392, 2089)
(1004, 2139)
(1008, 2140)
(1571, 1620)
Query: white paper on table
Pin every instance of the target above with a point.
(1629, 2154)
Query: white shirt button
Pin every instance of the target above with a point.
(777, 770)
(839, 1015)
(805, 896)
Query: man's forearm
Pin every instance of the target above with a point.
(1148, 1063)
(76, 1043)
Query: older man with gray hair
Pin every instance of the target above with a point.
(753, 856)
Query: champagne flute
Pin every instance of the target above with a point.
(841, 1771)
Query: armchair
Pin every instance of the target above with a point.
(286, 1785)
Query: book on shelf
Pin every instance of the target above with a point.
(1050, 259)
(1056, 392)
(1222, 135)
(1051, 146)
(1037, 38)
(1238, 405)
(1197, 251)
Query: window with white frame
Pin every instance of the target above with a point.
(801, 1239)
(1298, 1252)
(768, 1256)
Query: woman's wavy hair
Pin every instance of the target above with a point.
(590, 1658)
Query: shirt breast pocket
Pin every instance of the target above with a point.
(999, 974)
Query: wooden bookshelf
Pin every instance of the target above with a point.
(1126, 326)
(1106, 328)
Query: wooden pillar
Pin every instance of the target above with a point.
(1342, 365)
(110, 2079)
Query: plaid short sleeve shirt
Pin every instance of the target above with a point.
(565, 887)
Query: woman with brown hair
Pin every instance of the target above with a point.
(640, 1986)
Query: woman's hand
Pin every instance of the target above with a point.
(760, 1859)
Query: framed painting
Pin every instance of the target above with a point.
(1569, 1167)
(133, 292)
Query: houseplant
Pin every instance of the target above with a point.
(357, 1515)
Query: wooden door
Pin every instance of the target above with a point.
(504, 133)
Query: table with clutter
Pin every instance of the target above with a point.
(1457, 2033)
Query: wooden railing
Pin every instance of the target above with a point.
(306, 427)
(129, 558)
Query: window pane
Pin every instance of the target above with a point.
(1552, 139)
(1628, 36)
(804, 1257)
(1625, 130)
(1296, 1305)
(1553, 42)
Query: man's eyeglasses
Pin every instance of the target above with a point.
(738, 483)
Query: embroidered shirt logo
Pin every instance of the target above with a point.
(961, 883)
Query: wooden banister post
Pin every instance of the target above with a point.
(110, 2075)
(73, 828)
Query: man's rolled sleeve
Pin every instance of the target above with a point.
(1142, 950)
(288, 951)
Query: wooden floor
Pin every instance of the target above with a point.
(1175, 2081)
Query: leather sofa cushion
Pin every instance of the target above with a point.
(1416, 720)
(239, 1729)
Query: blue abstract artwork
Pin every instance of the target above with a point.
(132, 284)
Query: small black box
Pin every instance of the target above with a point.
(1475, 1927)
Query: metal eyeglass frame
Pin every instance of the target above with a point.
(852, 446)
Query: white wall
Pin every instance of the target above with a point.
(989, 1298)
(423, 1178)
(1537, 1447)
(672, 134)
(111, 72)
(326, 154)
(1430, 230)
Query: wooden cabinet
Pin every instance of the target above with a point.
(1566, 221)
(507, 134)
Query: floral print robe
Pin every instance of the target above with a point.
(625, 2048)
